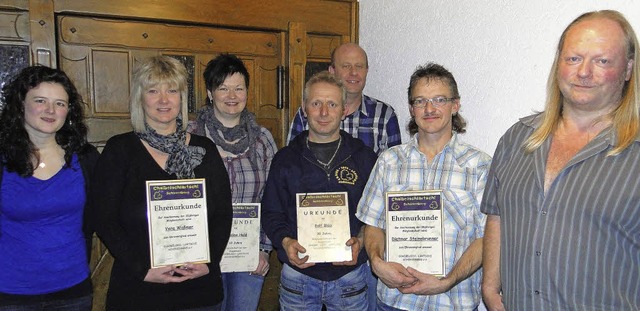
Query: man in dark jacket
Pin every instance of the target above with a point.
(323, 159)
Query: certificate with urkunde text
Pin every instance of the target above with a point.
(243, 247)
(178, 228)
(323, 226)
(415, 230)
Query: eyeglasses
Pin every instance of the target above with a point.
(436, 101)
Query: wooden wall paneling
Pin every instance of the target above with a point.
(15, 5)
(43, 39)
(102, 77)
(14, 42)
(354, 33)
(327, 16)
(165, 37)
(320, 46)
(200, 88)
(14, 26)
(76, 62)
(110, 76)
(265, 99)
(297, 42)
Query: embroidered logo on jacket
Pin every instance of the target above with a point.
(345, 175)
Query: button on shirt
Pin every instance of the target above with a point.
(460, 171)
(375, 123)
(578, 246)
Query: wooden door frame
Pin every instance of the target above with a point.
(338, 18)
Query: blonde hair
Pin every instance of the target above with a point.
(151, 72)
(625, 117)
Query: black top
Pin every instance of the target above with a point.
(119, 202)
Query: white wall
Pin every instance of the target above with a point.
(499, 51)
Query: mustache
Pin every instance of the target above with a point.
(429, 114)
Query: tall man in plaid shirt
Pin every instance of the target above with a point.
(372, 121)
(435, 159)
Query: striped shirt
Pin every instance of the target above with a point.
(376, 124)
(460, 171)
(578, 246)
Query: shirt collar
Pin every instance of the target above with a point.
(363, 105)
(608, 134)
(449, 147)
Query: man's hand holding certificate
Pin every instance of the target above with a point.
(323, 227)
(415, 230)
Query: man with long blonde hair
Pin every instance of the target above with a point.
(563, 226)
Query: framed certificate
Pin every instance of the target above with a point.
(243, 247)
(178, 228)
(323, 226)
(415, 230)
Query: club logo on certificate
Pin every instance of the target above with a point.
(415, 230)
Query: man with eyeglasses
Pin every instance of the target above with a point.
(435, 159)
(368, 119)
(322, 160)
(562, 197)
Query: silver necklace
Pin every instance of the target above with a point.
(326, 165)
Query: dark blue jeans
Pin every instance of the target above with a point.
(301, 292)
(241, 291)
(73, 304)
(372, 285)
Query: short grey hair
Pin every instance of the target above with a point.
(326, 77)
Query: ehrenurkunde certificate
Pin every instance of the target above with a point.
(415, 230)
(178, 228)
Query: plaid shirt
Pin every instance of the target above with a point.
(376, 124)
(460, 171)
(247, 185)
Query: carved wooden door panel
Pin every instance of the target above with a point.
(100, 54)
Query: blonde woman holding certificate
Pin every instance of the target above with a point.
(159, 148)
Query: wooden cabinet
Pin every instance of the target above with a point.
(98, 43)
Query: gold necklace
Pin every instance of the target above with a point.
(326, 165)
